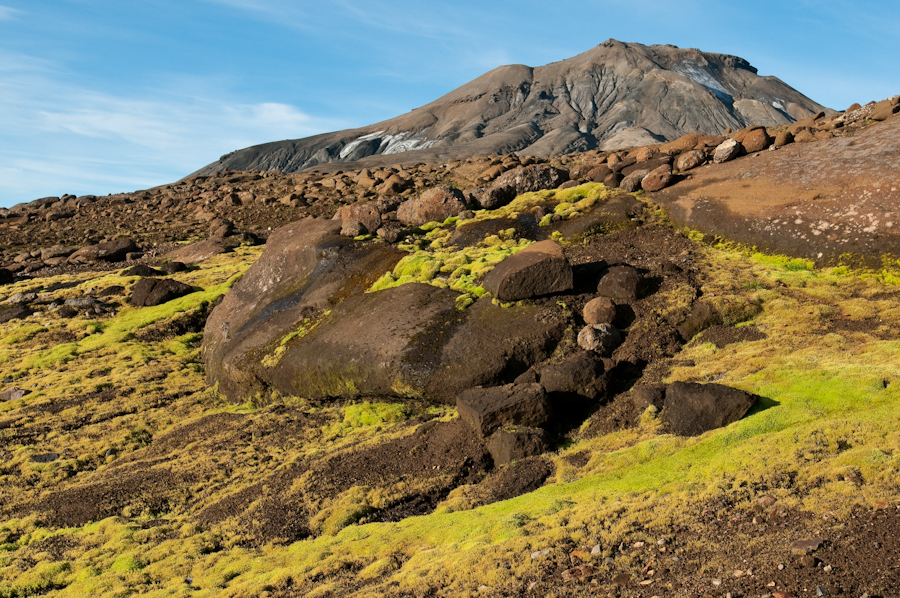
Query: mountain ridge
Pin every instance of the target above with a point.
(611, 96)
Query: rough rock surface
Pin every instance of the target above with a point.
(486, 410)
(155, 291)
(691, 409)
(727, 150)
(515, 443)
(108, 251)
(622, 283)
(434, 205)
(539, 269)
(664, 93)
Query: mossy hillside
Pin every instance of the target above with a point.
(829, 413)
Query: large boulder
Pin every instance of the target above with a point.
(690, 159)
(602, 339)
(581, 374)
(486, 410)
(539, 269)
(434, 205)
(366, 213)
(156, 291)
(727, 150)
(622, 283)
(690, 409)
(659, 178)
(756, 140)
(108, 251)
(201, 250)
(300, 322)
(514, 443)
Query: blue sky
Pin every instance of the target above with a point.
(102, 96)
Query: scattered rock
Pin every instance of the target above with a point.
(19, 312)
(536, 177)
(486, 410)
(600, 338)
(141, 270)
(434, 205)
(514, 443)
(756, 140)
(173, 267)
(155, 291)
(44, 458)
(579, 374)
(539, 269)
(353, 228)
(600, 310)
(108, 251)
(690, 409)
(690, 159)
(727, 150)
(784, 138)
(365, 213)
(632, 182)
(658, 179)
(622, 283)
(22, 298)
(13, 394)
(808, 546)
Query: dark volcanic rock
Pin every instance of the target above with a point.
(486, 410)
(365, 213)
(622, 283)
(536, 177)
(142, 270)
(579, 374)
(14, 313)
(155, 291)
(201, 250)
(659, 178)
(539, 269)
(600, 338)
(108, 251)
(691, 409)
(515, 443)
(601, 310)
(6, 276)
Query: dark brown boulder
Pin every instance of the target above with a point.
(622, 283)
(690, 409)
(539, 269)
(201, 250)
(6, 276)
(487, 409)
(156, 291)
(601, 310)
(579, 374)
(173, 267)
(494, 197)
(515, 443)
(434, 205)
(658, 179)
(142, 270)
(784, 138)
(108, 251)
(18, 312)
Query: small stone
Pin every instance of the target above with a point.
(827, 568)
(765, 501)
(808, 561)
(44, 458)
(600, 338)
(820, 591)
(13, 394)
(601, 310)
(806, 546)
(596, 550)
(539, 553)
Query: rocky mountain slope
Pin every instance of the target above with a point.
(496, 376)
(612, 96)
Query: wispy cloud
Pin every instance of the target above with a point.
(7, 13)
(55, 130)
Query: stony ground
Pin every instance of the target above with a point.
(124, 474)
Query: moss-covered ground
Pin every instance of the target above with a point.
(823, 441)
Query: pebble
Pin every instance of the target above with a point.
(596, 550)
(539, 553)
(827, 568)
(820, 591)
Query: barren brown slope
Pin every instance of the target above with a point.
(816, 200)
(614, 95)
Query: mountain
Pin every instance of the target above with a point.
(613, 96)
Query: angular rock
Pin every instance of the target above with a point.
(434, 205)
(727, 150)
(13, 394)
(366, 213)
(353, 228)
(142, 270)
(784, 138)
(56, 251)
(622, 283)
(155, 291)
(173, 267)
(536, 177)
(514, 443)
(884, 110)
(632, 182)
(603, 339)
(658, 179)
(495, 197)
(219, 228)
(487, 409)
(108, 251)
(601, 310)
(539, 269)
(690, 159)
(19, 312)
(690, 409)
(579, 374)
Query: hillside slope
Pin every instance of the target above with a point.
(614, 95)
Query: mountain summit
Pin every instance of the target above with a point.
(614, 95)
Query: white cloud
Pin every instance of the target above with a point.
(59, 137)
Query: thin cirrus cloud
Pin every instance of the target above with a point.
(62, 138)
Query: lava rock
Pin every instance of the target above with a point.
(108, 251)
(485, 410)
(632, 182)
(155, 291)
(141, 270)
(600, 310)
(600, 338)
(658, 179)
(514, 443)
(580, 374)
(690, 409)
(539, 269)
(436, 204)
(622, 283)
